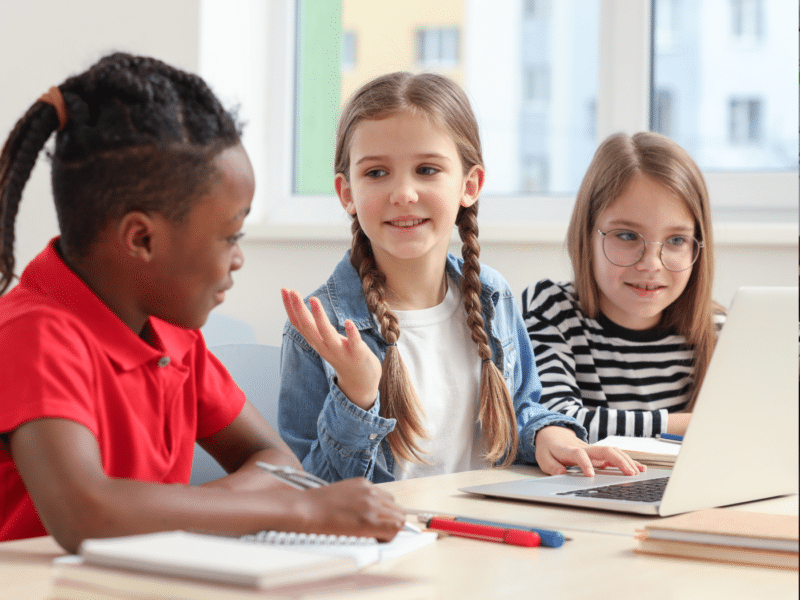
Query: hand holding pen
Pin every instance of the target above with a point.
(302, 480)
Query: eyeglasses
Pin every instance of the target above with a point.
(625, 248)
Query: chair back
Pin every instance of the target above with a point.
(256, 370)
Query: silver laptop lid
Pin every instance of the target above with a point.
(742, 441)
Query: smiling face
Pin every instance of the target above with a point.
(634, 297)
(198, 255)
(406, 184)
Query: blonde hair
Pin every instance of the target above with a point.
(446, 104)
(617, 160)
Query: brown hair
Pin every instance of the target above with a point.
(617, 160)
(446, 104)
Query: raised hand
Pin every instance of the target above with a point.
(358, 370)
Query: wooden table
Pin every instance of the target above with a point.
(598, 562)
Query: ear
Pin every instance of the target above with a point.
(345, 194)
(473, 184)
(135, 235)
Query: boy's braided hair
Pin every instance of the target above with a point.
(140, 135)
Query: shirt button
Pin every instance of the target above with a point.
(163, 361)
(373, 436)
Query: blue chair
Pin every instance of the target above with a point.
(221, 329)
(256, 370)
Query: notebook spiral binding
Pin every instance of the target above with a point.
(289, 538)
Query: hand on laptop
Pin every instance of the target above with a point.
(558, 448)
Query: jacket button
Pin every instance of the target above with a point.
(373, 436)
(163, 361)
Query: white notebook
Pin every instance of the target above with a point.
(214, 558)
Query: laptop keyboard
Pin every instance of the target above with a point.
(646, 490)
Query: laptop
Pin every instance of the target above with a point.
(741, 443)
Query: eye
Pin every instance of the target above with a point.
(678, 241)
(234, 239)
(427, 170)
(624, 235)
(376, 173)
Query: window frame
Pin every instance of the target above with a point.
(623, 104)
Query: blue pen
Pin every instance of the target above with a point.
(551, 539)
(670, 437)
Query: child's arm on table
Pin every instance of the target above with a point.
(60, 464)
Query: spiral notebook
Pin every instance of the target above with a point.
(266, 558)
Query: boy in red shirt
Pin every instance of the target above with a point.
(107, 382)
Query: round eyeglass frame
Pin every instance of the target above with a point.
(698, 245)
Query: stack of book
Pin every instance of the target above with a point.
(649, 451)
(725, 535)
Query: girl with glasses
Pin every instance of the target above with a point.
(624, 347)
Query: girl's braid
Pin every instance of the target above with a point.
(397, 395)
(496, 411)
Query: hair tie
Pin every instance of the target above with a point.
(392, 344)
(55, 98)
(485, 360)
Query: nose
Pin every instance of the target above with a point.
(404, 192)
(651, 260)
(237, 260)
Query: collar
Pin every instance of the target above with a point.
(348, 302)
(49, 276)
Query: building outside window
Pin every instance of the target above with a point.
(348, 50)
(745, 120)
(545, 82)
(437, 47)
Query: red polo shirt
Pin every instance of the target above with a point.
(64, 354)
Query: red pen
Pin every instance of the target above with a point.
(487, 533)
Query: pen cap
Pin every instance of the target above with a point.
(522, 538)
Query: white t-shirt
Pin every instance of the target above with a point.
(444, 366)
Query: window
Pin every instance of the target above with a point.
(348, 50)
(746, 16)
(537, 84)
(745, 121)
(666, 22)
(534, 175)
(437, 47)
(729, 111)
(662, 112)
(536, 9)
(275, 59)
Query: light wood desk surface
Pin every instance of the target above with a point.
(598, 562)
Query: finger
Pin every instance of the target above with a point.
(353, 336)
(583, 461)
(305, 320)
(550, 465)
(287, 305)
(327, 333)
(614, 457)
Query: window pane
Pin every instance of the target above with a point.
(530, 69)
(726, 81)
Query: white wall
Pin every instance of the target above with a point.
(43, 41)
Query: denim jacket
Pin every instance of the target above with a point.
(335, 439)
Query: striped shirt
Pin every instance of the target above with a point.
(613, 380)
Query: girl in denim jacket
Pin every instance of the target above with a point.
(465, 393)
